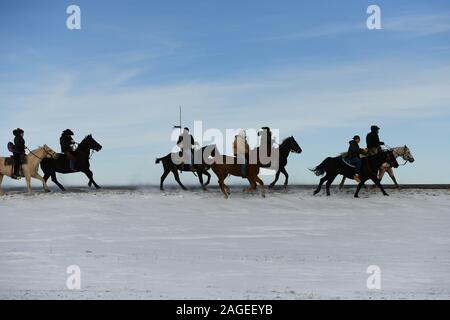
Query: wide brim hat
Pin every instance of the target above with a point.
(17, 131)
(68, 132)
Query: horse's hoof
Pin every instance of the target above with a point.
(316, 192)
(356, 196)
(47, 191)
(385, 194)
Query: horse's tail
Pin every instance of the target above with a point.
(158, 160)
(320, 169)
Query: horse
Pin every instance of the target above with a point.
(62, 165)
(223, 166)
(333, 166)
(201, 169)
(403, 152)
(29, 168)
(286, 147)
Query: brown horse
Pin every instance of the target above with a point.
(224, 166)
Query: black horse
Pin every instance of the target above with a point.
(287, 146)
(201, 169)
(62, 164)
(370, 165)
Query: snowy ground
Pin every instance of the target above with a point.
(145, 244)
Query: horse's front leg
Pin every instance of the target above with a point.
(391, 174)
(342, 182)
(358, 188)
(286, 176)
(209, 177)
(277, 176)
(90, 176)
(200, 178)
(37, 176)
(28, 180)
(1, 180)
(261, 185)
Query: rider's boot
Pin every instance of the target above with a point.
(72, 165)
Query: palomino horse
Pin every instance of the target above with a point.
(61, 165)
(223, 166)
(30, 167)
(403, 152)
(201, 168)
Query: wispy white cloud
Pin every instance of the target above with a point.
(138, 119)
(318, 32)
(419, 24)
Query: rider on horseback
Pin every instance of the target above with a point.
(373, 141)
(18, 151)
(185, 143)
(68, 146)
(353, 153)
(266, 141)
(241, 150)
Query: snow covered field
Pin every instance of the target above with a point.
(144, 244)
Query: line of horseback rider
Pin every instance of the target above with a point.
(354, 151)
(18, 149)
(241, 148)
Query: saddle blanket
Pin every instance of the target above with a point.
(350, 165)
(10, 161)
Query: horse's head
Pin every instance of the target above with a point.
(49, 153)
(407, 155)
(91, 143)
(293, 145)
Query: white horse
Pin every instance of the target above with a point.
(403, 152)
(30, 167)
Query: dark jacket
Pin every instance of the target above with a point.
(19, 145)
(372, 140)
(354, 150)
(180, 139)
(66, 143)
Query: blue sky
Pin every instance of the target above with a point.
(309, 68)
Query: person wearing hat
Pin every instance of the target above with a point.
(266, 141)
(353, 153)
(373, 140)
(185, 143)
(18, 151)
(68, 146)
(241, 150)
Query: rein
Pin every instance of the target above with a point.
(31, 152)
